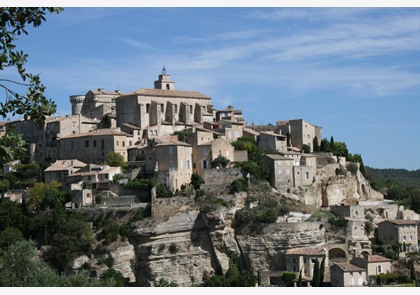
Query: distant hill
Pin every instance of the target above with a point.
(400, 176)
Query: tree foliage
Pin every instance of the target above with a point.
(115, 159)
(20, 266)
(12, 147)
(14, 21)
(220, 161)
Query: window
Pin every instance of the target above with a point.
(148, 108)
(94, 143)
(162, 107)
(123, 143)
(117, 143)
(205, 164)
(379, 269)
(86, 143)
(187, 164)
(181, 164)
(307, 175)
(171, 150)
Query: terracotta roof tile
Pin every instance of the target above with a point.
(170, 93)
(320, 250)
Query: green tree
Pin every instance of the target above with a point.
(20, 266)
(315, 144)
(322, 272)
(72, 238)
(196, 181)
(4, 186)
(316, 278)
(12, 147)
(105, 122)
(14, 21)
(114, 275)
(115, 159)
(9, 236)
(220, 161)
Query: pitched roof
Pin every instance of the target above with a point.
(170, 93)
(310, 251)
(348, 267)
(269, 132)
(278, 157)
(98, 132)
(373, 258)
(172, 141)
(61, 165)
(401, 222)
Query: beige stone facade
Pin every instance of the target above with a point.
(269, 140)
(374, 265)
(301, 132)
(346, 274)
(94, 146)
(281, 170)
(206, 148)
(60, 169)
(399, 231)
(304, 259)
(163, 107)
(175, 159)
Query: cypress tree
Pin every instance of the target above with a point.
(316, 276)
(322, 272)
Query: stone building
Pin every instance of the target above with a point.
(59, 127)
(373, 264)
(345, 274)
(403, 232)
(301, 132)
(304, 259)
(173, 160)
(94, 146)
(95, 103)
(163, 109)
(281, 170)
(206, 148)
(60, 169)
(269, 140)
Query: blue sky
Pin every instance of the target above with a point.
(353, 71)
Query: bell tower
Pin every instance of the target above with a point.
(164, 82)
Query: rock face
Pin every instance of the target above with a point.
(191, 245)
(182, 243)
(335, 185)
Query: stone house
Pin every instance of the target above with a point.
(269, 140)
(94, 176)
(94, 146)
(229, 113)
(247, 132)
(304, 259)
(33, 135)
(301, 132)
(231, 129)
(374, 265)
(173, 159)
(59, 127)
(281, 170)
(346, 274)
(395, 231)
(163, 108)
(95, 103)
(206, 148)
(60, 169)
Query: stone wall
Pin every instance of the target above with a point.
(164, 208)
(219, 180)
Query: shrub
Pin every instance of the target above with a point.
(220, 161)
(196, 181)
(238, 185)
(163, 192)
(173, 248)
(340, 222)
(352, 167)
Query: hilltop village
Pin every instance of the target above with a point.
(188, 163)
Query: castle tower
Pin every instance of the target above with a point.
(164, 81)
(76, 103)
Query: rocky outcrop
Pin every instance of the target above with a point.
(333, 185)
